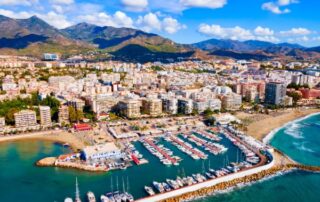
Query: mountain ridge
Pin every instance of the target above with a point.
(33, 36)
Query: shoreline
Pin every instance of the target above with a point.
(272, 133)
(57, 136)
(261, 126)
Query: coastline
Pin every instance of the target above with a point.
(262, 126)
(272, 133)
(59, 136)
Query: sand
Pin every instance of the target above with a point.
(260, 125)
(54, 135)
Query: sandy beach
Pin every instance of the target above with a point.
(53, 135)
(260, 125)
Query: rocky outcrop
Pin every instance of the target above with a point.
(50, 161)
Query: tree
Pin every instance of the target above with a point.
(80, 115)
(54, 104)
(10, 115)
(295, 96)
(72, 114)
(207, 113)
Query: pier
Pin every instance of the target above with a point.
(208, 135)
(161, 151)
(188, 149)
(211, 147)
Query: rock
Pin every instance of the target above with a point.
(50, 161)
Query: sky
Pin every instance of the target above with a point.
(185, 21)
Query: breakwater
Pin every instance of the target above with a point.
(274, 171)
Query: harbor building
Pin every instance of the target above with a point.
(45, 116)
(275, 93)
(64, 114)
(25, 118)
(101, 152)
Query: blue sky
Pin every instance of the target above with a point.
(185, 21)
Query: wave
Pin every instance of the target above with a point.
(272, 133)
(301, 146)
(293, 130)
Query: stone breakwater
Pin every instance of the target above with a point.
(52, 161)
(241, 181)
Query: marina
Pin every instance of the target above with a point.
(170, 149)
(190, 172)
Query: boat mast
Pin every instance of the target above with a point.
(127, 184)
(77, 191)
(117, 183)
(111, 185)
(123, 186)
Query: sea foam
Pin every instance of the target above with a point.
(269, 137)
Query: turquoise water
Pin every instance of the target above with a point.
(293, 187)
(301, 141)
(21, 179)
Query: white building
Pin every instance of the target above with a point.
(45, 116)
(100, 152)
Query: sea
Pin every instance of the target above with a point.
(21, 180)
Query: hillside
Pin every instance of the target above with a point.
(258, 50)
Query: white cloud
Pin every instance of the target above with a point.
(171, 25)
(275, 6)
(52, 18)
(66, 2)
(118, 19)
(135, 5)
(17, 15)
(234, 33)
(17, 2)
(151, 21)
(56, 20)
(204, 3)
(296, 31)
(263, 31)
(272, 39)
(238, 33)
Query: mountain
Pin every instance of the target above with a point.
(34, 36)
(243, 46)
(113, 39)
(258, 50)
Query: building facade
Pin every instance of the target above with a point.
(25, 118)
(45, 116)
(275, 93)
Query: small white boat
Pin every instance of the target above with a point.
(91, 197)
(68, 200)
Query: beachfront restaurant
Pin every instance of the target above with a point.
(101, 152)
